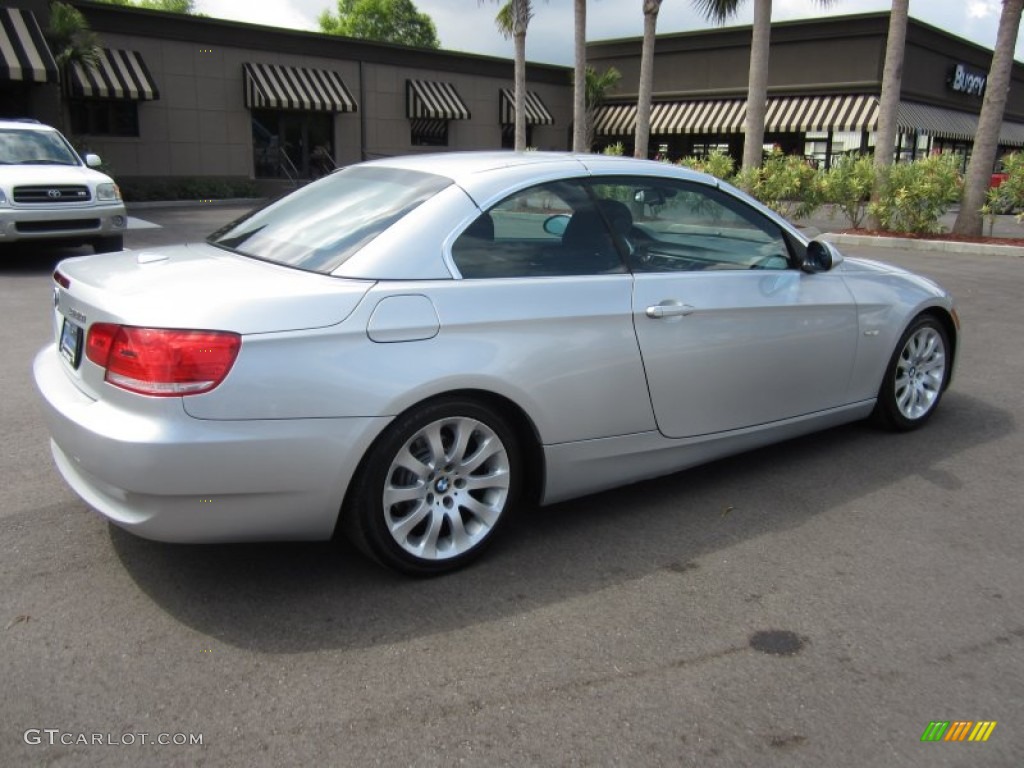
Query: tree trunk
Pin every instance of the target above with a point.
(757, 88)
(986, 140)
(892, 78)
(579, 92)
(520, 88)
(643, 103)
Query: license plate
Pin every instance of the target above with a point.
(71, 342)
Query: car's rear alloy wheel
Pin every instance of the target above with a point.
(916, 376)
(436, 486)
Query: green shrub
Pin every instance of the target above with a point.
(717, 164)
(914, 195)
(847, 185)
(785, 183)
(614, 149)
(1008, 196)
(186, 188)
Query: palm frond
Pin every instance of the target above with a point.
(513, 15)
(717, 10)
(70, 37)
(599, 83)
(505, 20)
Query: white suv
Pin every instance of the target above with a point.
(48, 193)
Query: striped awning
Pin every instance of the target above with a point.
(674, 117)
(615, 120)
(117, 75)
(430, 99)
(272, 86)
(536, 112)
(722, 116)
(1012, 135)
(936, 121)
(797, 114)
(942, 123)
(719, 116)
(24, 55)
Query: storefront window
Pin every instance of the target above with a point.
(104, 117)
(292, 145)
(429, 133)
(508, 136)
(14, 100)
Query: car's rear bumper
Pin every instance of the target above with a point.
(74, 223)
(166, 476)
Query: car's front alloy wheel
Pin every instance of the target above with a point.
(916, 376)
(435, 487)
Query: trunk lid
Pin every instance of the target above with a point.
(200, 286)
(195, 286)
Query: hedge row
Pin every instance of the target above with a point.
(186, 188)
(913, 195)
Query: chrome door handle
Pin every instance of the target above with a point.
(669, 309)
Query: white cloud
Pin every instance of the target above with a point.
(468, 25)
(272, 14)
(982, 9)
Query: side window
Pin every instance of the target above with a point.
(548, 230)
(680, 226)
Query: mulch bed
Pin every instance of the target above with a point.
(1018, 241)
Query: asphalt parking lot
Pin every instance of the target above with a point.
(815, 603)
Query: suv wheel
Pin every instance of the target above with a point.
(108, 244)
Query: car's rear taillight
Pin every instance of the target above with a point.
(61, 279)
(162, 361)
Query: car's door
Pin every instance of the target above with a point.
(732, 333)
(545, 302)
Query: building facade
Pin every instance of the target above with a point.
(824, 84)
(187, 96)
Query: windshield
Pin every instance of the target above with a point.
(323, 224)
(27, 147)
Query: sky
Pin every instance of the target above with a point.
(468, 25)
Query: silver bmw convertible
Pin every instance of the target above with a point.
(409, 349)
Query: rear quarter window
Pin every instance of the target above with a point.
(323, 224)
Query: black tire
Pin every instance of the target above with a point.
(108, 244)
(445, 508)
(916, 376)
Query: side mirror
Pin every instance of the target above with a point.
(821, 257)
(649, 196)
(92, 160)
(556, 225)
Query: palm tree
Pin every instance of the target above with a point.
(579, 80)
(71, 41)
(598, 84)
(892, 78)
(512, 20)
(757, 82)
(986, 139)
(643, 102)
(70, 38)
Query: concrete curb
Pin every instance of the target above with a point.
(155, 204)
(913, 244)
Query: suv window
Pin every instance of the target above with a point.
(28, 147)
